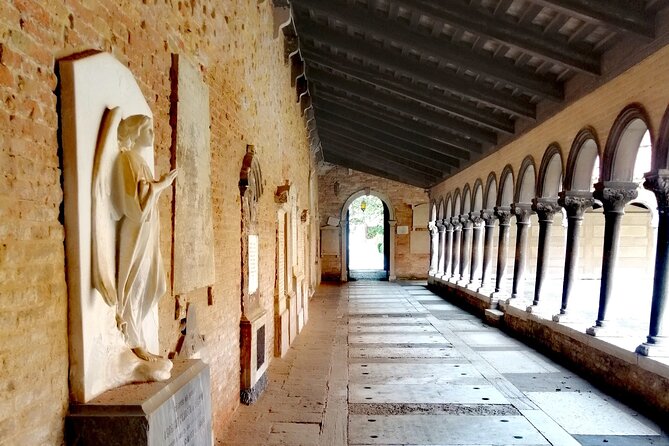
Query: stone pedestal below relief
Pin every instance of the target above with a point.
(253, 328)
(282, 331)
(176, 412)
(292, 316)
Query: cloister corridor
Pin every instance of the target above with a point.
(394, 363)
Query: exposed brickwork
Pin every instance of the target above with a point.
(251, 102)
(402, 197)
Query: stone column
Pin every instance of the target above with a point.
(488, 218)
(465, 249)
(545, 209)
(657, 342)
(522, 211)
(614, 196)
(477, 229)
(503, 214)
(440, 248)
(434, 240)
(391, 262)
(448, 247)
(575, 204)
(455, 251)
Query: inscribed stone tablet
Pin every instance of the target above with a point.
(253, 263)
(193, 227)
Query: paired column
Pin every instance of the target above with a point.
(441, 242)
(477, 229)
(465, 250)
(657, 342)
(434, 247)
(455, 251)
(488, 217)
(522, 211)
(545, 209)
(575, 204)
(503, 214)
(614, 196)
(448, 246)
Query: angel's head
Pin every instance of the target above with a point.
(135, 131)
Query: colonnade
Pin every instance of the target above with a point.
(462, 230)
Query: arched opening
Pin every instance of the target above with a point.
(387, 270)
(367, 239)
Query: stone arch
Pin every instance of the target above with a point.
(457, 204)
(440, 209)
(490, 195)
(623, 143)
(448, 210)
(550, 175)
(477, 197)
(527, 181)
(506, 187)
(344, 227)
(660, 159)
(433, 210)
(466, 205)
(584, 152)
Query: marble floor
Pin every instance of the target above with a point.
(387, 364)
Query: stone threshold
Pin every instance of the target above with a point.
(611, 361)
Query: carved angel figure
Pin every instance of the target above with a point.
(127, 265)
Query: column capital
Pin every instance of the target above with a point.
(488, 216)
(658, 183)
(465, 221)
(392, 223)
(503, 213)
(457, 225)
(522, 211)
(447, 224)
(576, 202)
(432, 226)
(441, 227)
(476, 219)
(546, 208)
(614, 195)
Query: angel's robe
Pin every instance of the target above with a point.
(141, 279)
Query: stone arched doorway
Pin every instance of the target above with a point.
(389, 232)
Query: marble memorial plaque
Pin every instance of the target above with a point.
(253, 263)
(420, 242)
(193, 224)
(329, 241)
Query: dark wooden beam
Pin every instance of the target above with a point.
(390, 101)
(439, 48)
(477, 115)
(358, 137)
(504, 29)
(627, 15)
(335, 112)
(343, 147)
(339, 160)
(394, 61)
(392, 118)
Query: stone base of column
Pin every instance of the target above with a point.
(454, 279)
(463, 283)
(654, 350)
(603, 331)
(474, 286)
(532, 308)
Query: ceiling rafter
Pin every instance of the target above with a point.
(362, 167)
(503, 29)
(445, 80)
(451, 105)
(439, 48)
(388, 100)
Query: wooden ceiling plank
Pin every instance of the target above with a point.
(349, 164)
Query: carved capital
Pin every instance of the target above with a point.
(282, 192)
(455, 221)
(576, 203)
(615, 195)
(441, 227)
(432, 227)
(503, 213)
(545, 208)
(658, 183)
(465, 221)
(447, 223)
(522, 212)
(488, 216)
(476, 219)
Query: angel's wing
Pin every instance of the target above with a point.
(105, 213)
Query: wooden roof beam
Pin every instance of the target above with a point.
(439, 48)
(401, 177)
(505, 30)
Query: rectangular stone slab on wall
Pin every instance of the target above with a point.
(193, 225)
(172, 413)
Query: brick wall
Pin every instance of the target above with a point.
(251, 102)
(401, 196)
